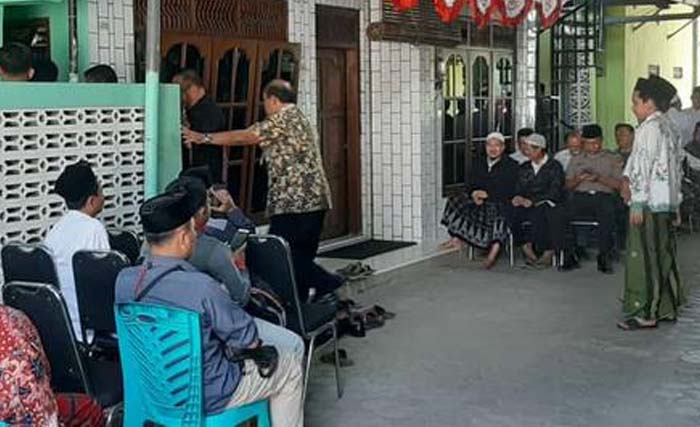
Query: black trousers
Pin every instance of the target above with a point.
(548, 227)
(209, 155)
(599, 207)
(303, 233)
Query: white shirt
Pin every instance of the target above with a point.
(537, 166)
(654, 168)
(490, 163)
(74, 232)
(519, 157)
(564, 157)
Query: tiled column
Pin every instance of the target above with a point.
(111, 35)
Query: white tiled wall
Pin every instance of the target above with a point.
(111, 35)
(401, 150)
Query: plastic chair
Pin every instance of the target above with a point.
(270, 258)
(125, 242)
(23, 262)
(162, 355)
(71, 373)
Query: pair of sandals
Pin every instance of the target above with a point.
(356, 271)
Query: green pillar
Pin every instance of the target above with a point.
(2, 22)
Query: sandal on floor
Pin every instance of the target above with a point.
(329, 358)
(635, 323)
(382, 312)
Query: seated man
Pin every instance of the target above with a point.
(573, 148)
(77, 230)
(166, 278)
(521, 146)
(594, 179)
(539, 195)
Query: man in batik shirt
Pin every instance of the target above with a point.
(299, 195)
(652, 187)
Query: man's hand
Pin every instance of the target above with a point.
(527, 203)
(636, 218)
(192, 137)
(519, 201)
(677, 221)
(478, 196)
(625, 191)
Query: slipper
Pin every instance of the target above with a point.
(634, 324)
(329, 358)
(382, 312)
(373, 320)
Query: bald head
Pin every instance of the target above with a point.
(277, 94)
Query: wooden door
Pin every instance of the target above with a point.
(183, 51)
(233, 89)
(333, 130)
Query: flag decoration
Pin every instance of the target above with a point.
(482, 11)
(404, 5)
(549, 11)
(514, 12)
(448, 10)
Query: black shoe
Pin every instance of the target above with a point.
(605, 264)
(570, 263)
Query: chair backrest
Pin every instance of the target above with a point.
(126, 242)
(95, 275)
(270, 258)
(160, 350)
(46, 308)
(28, 263)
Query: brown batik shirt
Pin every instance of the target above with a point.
(296, 180)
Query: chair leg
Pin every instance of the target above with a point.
(511, 250)
(338, 379)
(307, 367)
(470, 252)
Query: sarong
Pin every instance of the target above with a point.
(477, 225)
(653, 288)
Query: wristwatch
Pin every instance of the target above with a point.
(207, 139)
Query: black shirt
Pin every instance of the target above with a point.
(206, 117)
(499, 183)
(548, 184)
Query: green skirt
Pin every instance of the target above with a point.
(653, 288)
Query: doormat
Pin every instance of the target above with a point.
(367, 249)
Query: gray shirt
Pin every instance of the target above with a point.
(223, 323)
(214, 258)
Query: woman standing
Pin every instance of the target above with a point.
(477, 217)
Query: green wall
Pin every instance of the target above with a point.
(58, 23)
(66, 95)
(612, 100)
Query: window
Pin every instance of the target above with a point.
(454, 135)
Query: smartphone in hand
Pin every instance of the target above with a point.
(239, 239)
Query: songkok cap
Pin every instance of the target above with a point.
(201, 172)
(167, 212)
(658, 89)
(77, 182)
(194, 186)
(536, 140)
(592, 132)
(496, 135)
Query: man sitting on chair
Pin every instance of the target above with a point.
(166, 278)
(594, 178)
(77, 230)
(539, 195)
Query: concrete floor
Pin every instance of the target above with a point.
(513, 347)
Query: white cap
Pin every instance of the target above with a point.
(496, 135)
(536, 140)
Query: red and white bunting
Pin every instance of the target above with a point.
(549, 11)
(448, 10)
(404, 5)
(514, 12)
(482, 10)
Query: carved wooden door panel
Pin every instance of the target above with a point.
(233, 88)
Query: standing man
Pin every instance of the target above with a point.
(204, 116)
(299, 194)
(652, 187)
(16, 63)
(573, 148)
(594, 178)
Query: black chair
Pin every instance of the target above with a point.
(28, 263)
(95, 275)
(70, 371)
(126, 242)
(269, 257)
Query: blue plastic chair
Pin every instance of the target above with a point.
(161, 356)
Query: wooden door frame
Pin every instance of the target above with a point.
(352, 125)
